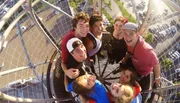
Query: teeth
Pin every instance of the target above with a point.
(129, 40)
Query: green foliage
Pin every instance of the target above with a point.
(75, 3)
(51, 1)
(91, 2)
(108, 16)
(105, 2)
(125, 12)
(72, 3)
(40, 6)
(166, 63)
(108, 3)
(149, 38)
(178, 94)
(177, 82)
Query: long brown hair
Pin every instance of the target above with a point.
(80, 89)
(133, 75)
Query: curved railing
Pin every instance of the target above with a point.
(44, 30)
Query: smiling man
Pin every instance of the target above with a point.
(93, 41)
(80, 29)
(143, 57)
(78, 54)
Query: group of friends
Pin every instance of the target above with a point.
(125, 46)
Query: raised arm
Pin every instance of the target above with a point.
(156, 70)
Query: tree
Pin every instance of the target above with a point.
(109, 3)
(166, 63)
(149, 38)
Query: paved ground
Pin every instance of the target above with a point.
(13, 56)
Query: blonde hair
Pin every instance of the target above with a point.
(127, 96)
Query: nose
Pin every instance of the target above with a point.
(85, 28)
(120, 85)
(100, 28)
(80, 51)
(126, 36)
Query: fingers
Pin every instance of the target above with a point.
(74, 73)
(157, 83)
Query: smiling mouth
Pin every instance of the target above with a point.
(114, 86)
(128, 41)
(83, 33)
(83, 55)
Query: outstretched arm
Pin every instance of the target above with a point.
(156, 70)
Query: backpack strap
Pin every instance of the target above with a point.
(89, 36)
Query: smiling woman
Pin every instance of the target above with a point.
(116, 42)
(122, 93)
(88, 87)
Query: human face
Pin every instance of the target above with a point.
(125, 76)
(118, 30)
(79, 53)
(87, 80)
(130, 37)
(117, 89)
(97, 28)
(118, 26)
(82, 28)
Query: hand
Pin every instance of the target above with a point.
(123, 61)
(157, 82)
(72, 73)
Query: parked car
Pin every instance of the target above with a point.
(2, 12)
(177, 75)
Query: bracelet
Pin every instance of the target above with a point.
(158, 78)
